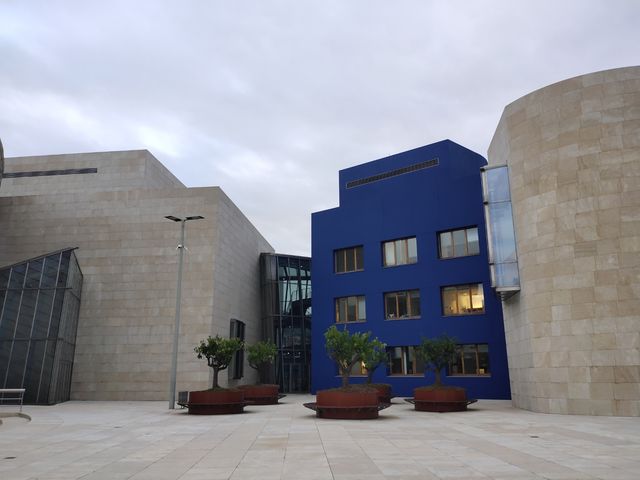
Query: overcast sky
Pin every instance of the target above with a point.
(269, 99)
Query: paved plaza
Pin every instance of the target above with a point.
(144, 440)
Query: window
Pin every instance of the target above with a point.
(236, 368)
(358, 370)
(350, 309)
(463, 299)
(403, 361)
(402, 304)
(348, 260)
(459, 243)
(471, 360)
(400, 252)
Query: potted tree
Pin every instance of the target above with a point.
(376, 355)
(347, 401)
(437, 353)
(261, 356)
(219, 353)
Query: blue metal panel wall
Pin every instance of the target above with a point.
(420, 203)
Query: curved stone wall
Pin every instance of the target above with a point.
(1, 160)
(573, 332)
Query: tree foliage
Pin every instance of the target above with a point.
(261, 353)
(260, 356)
(219, 353)
(375, 356)
(348, 349)
(437, 353)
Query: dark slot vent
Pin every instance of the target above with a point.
(393, 173)
(48, 173)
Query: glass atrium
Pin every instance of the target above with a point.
(39, 305)
(286, 317)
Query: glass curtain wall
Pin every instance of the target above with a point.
(39, 306)
(286, 317)
(503, 258)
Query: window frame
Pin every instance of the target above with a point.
(344, 252)
(410, 314)
(404, 349)
(405, 248)
(338, 310)
(460, 356)
(466, 242)
(458, 288)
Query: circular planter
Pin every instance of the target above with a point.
(216, 402)
(384, 391)
(440, 399)
(261, 394)
(347, 404)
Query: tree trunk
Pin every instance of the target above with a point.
(370, 376)
(438, 381)
(215, 378)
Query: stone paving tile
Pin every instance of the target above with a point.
(144, 440)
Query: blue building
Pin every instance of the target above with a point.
(404, 256)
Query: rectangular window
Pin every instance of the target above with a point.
(358, 370)
(236, 369)
(463, 299)
(348, 260)
(471, 360)
(350, 309)
(400, 252)
(403, 361)
(459, 243)
(402, 304)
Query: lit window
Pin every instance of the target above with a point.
(463, 299)
(358, 370)
(403, 361)
(348, 260)
(471, 360)
(350, 309)
(402, 304)
(459, 243)
(400, 252)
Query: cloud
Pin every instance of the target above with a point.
(270, 99)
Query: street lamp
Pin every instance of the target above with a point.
(176, 331)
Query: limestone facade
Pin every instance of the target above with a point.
(127, 252)
(573, 332)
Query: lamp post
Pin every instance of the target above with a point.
(176, 330)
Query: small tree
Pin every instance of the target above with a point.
(346, 349)
(261, 355)
(437, 353)
(219, 353)
(375, 356)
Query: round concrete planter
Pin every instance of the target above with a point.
(440, 399)
(216, 402)
(347, 404)
(261, 394)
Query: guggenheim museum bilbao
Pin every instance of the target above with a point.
(530, 258)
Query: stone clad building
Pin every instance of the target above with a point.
(111, 206)
(573, 332)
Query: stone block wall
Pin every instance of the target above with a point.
(573, 332)
(127, 252)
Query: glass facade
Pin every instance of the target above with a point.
(503, 258)
(286, 317)
(39, 306)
